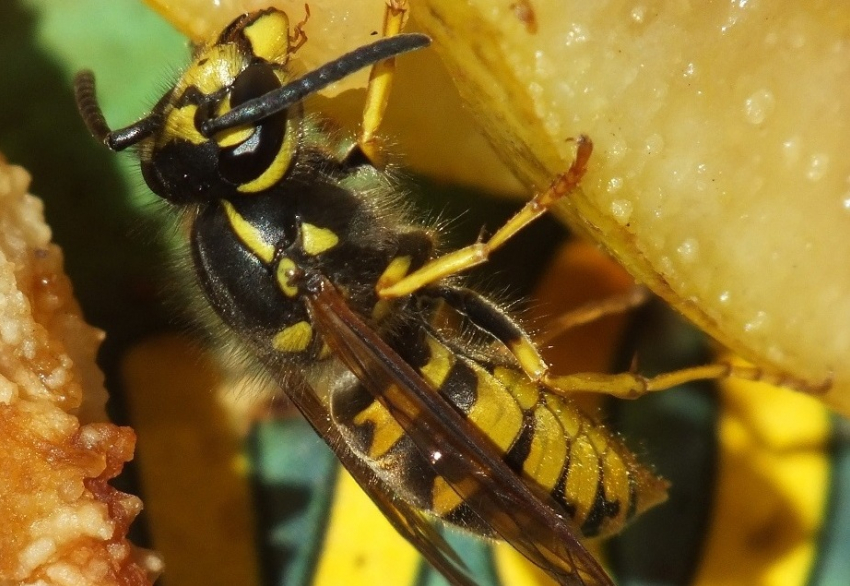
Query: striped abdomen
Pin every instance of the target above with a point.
(544, 438)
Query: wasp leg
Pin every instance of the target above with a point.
(592, 311)
(485, 315)
(378, 90)
(478, 253)
(630, 385)
(298, 36)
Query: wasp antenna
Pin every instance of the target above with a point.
(85, 95)
(278, 100)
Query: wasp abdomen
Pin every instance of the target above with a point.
(546, 439)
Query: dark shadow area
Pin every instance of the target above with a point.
(294, 479)
(832, 564)
(674, 431)
(677, 432)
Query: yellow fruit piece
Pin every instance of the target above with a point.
(720, 174)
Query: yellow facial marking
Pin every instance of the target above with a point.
(317, 240)
(284, 277)
(386, 432)
(214, 69)
(395, 271)
(180, 124)
(231, 136)
(269, 36)
(278, 168)
(295, 338)
(250, 236)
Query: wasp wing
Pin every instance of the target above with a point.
(411, 523)
(529, 520)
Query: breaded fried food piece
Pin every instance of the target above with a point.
(61, 523)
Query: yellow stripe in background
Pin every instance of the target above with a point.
(772, 485)
(361, 548)
(515, 570)
(193, 473)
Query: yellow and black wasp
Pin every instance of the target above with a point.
(303, 250)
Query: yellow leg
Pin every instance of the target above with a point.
(380, 83)
(476, 254)
(634, 297)
(629, 385)
(488, 317)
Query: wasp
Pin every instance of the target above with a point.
(303, 249)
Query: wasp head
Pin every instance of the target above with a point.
(230, 124)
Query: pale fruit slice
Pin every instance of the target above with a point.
(720, 176)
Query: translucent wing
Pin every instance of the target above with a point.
(529, 520)
(411, 523)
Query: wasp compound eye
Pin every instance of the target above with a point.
(249, 158)
(256, 80)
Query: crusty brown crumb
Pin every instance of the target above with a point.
(61, 523)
